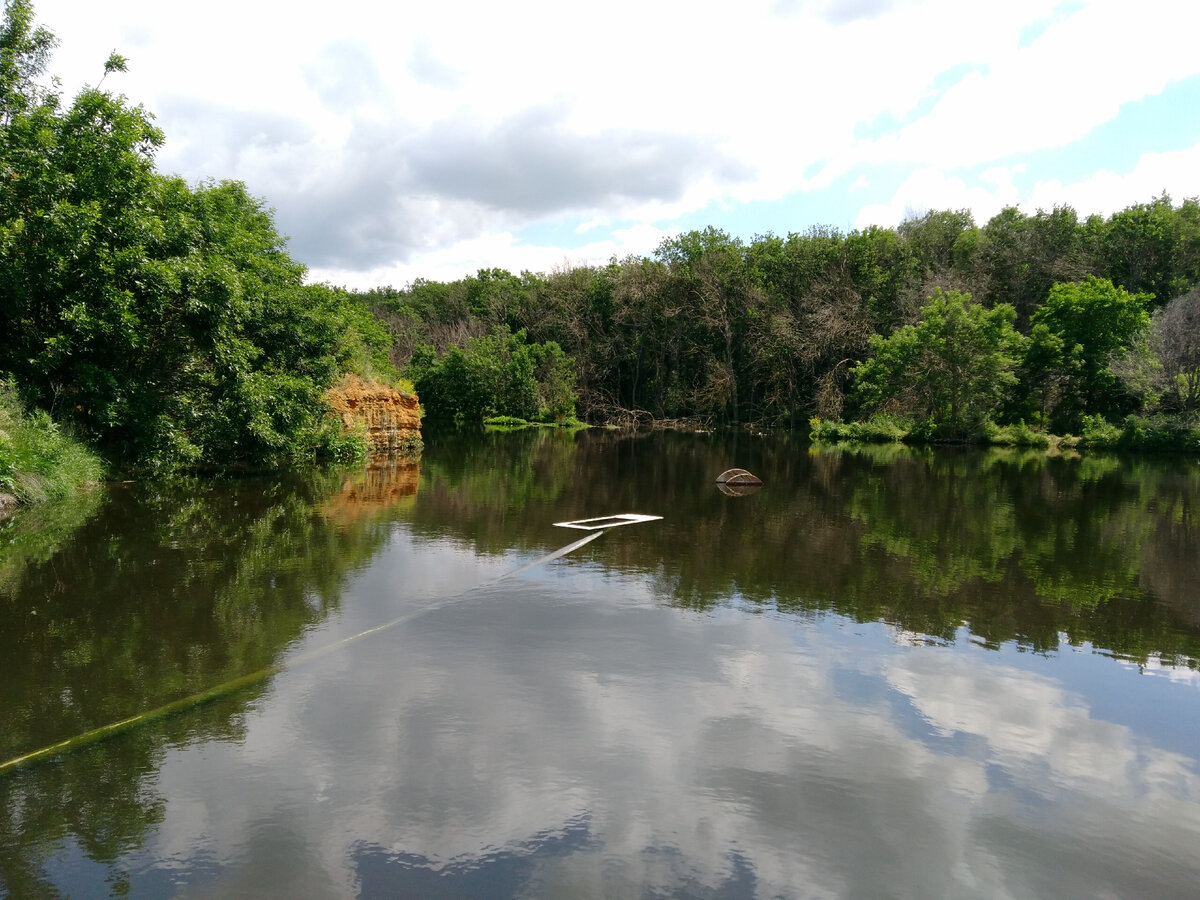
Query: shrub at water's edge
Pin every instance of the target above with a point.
(512, 423)
(38, 461)
(1158, 432)
(499, 377)
(876, 430)
(1155, 433)
(885, 429)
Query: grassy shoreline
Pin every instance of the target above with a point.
(1148, 433)
(38, 461)
(513, 423)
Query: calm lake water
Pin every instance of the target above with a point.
(888, 673)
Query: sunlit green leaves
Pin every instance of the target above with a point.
(952, 368)
(167, 321)
(497, 374)
(1093, 319)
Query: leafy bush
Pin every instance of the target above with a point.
(1098, 433)
(1159, 433)
(952, 368)
(166, 322)
(1018, 435)
(38, 461)
(410, 446)
(499, 374)
(878, 429)
(512, 423)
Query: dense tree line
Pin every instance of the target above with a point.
(1050, 319)
(164, 321)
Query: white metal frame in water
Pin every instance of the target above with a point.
(600, 522)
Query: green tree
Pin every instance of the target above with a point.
(1162, 366)
(1152, 247)
(1093, 319)
(24, 52)
(1175, 339)
(711, 285)
(939, 239)
(952, 368)
(167, 322)
(499, 373)
(1019, 257)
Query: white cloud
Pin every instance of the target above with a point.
(1073, 77)
(927, 189)
(660, 110)
(673, 740)
(1177, 172)
(453, 259)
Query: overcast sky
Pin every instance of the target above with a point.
(401, 140)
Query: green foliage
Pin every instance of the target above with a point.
(1091, 320)
(885, 429)
(38, 461)
(166, 322)
(879, 429)
(1096, 432)
(1016, 435)
(939, 238)
(1158, 433)
(1045, 372)
(512, 423)
(115, 63)
(952, 368)
(346, 447)
(24, 51)
(720, 330)
(1162, 366)
(509, 422)
(1019, 257)
(411, 446)
(1152, 247)
(497, 374)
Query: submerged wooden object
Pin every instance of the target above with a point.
(738, 482)
(735, 477)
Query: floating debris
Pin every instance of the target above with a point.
(738, 482)
(739, 490)
(739, 477)
(607, 521)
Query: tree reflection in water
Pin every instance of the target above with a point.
(163, 592)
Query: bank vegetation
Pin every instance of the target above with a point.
(939, 329)
(161, 323)
(165, 326)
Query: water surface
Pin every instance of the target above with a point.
(888, 673)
